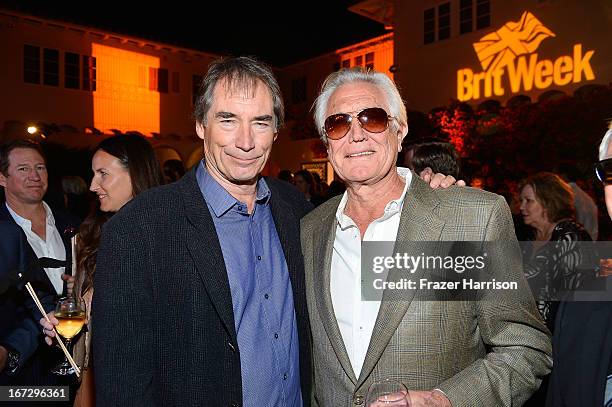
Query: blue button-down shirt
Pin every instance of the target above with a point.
(262, 298)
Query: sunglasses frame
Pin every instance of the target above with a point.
(350, 121)
(600, 171)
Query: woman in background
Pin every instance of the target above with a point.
(123, 167)
(555, 263)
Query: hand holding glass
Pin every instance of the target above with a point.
(70, 312)
(387, 393)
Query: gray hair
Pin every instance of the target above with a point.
(605, 142)
(239, 73)
(358, 74)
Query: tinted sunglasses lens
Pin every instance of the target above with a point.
(603, 169)
(374, 119)
(337, 125)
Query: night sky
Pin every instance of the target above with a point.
(280, 33)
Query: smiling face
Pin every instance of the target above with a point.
(238, 134)
(111, 181)
(362, 157)
(27, 179)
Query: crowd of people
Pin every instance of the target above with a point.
(218, 286)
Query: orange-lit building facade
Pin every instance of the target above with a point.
(83, 83)
(80, 84)
(474, 50)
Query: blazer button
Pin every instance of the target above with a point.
(358, 399)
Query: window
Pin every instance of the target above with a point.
(89, 73)
(152, 78)
(298, 90)
(196, 81)
(176, 87)
(359, 61)
(483, 14)
(429, 25)
(336, 66)
(162, 80)
(443, 21)
(369, 60)
(50, 67)
(72, 70)
(31, 64)
(346, 63)
(465, 16)
(158, 79)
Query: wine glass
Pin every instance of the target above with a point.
(70, 312)
(387, 393)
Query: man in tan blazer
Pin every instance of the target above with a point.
(460, 353)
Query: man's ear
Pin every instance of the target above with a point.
(200, 130)
(2, 180)
(402, 131)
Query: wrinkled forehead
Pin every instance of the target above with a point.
(356, 96)
(240, 86)
(22, 155)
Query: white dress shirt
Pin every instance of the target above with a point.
(356, 317)
(52, 247)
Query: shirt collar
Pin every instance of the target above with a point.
(21, 221)
(394, 206)
(217, 197)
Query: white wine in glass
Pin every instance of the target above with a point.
(70, 312)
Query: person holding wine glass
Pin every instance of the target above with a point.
(123, 166)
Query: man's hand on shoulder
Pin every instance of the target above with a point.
(439, 180)
(433, 398)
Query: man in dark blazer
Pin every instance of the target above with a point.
(23, 175)
(199, 289)
(582, 341)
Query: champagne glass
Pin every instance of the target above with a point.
(387, 393)
(70, 312)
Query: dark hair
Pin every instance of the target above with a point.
(286, 176)
(307, 175)
(238, 73)
(6, 148)
(173, 169)
(137, 156)
(440, 157)
(554, 194)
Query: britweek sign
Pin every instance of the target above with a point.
(511, 64)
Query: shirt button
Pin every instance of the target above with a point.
(285, 376)
(266, 296)
(358, 399)
(275, 336)
(258, 257)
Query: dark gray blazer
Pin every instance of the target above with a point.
(163, 325)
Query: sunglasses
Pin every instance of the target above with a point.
(603, 170)
(372, 119)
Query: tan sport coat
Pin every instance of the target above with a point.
(479, 353)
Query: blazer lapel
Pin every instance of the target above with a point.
(323, 247)
(38, 277)
(418, 224)
(205, 249)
